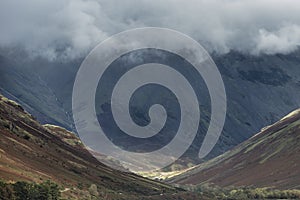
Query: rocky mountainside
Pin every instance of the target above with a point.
(35, 153)
(268, 159)
(260, 90)
(32, 92)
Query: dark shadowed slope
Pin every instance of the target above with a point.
(28, 89)
(270, 158)
(260, 90)
(32, 152)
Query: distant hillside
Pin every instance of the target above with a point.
(260, 90)
(35, 153)
(268, 159)
(28, 89)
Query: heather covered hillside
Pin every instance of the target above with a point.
(268, 159)
(32, 153)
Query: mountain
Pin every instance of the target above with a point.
(32, 152)
(268, 159)
(32, 92)
(260, 90)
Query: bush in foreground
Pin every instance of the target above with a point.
(29, 191)
(215, 192)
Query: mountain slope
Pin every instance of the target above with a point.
(268, 159)
(32, 152)
(260, 90)
(34, 94)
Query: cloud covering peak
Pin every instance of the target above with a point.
(70, 28)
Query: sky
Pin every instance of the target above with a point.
(71, 28)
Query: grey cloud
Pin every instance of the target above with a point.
(70, 28)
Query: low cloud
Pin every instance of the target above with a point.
(285, 40)
(70, 28)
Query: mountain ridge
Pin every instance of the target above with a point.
(260, 90)
(35, 153)
(270, 158)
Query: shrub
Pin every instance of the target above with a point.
(242, 193)
(29, 191)
(6, 191)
